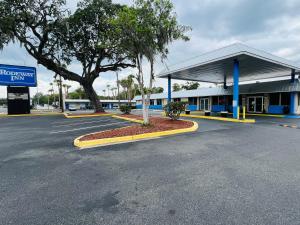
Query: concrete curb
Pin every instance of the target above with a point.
(220, 119)
(85, 116)
(118, 140)
(30, 115)
(128, 119)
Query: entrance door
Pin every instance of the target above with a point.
(204, 104)
(259, 104)
(256, 104)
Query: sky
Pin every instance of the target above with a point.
(270, 25)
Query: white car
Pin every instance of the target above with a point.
(72, 108)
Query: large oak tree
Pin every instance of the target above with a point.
(56, 37)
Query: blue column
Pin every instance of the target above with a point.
(236, 75)
(293, 75)
(169, 89)
(293, 103)
(293, 98)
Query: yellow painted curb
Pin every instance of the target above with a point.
(29, 115)
(220, 119)
(117, 140)
(85, 116)
(264, 115)
(128, 119)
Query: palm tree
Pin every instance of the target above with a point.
(53, 92)
(66, 88)
(130, 83)
(124, 85)
(113, 89)
(118, 88)
(104, 92)
(108, 86)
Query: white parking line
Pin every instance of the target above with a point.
(85, 128)
(68, 121)
(79, 123)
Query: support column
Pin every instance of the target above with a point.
(293, 75)
(293, 103)
(235, 102)
(169, 89)
(225, 81)
(294, 96)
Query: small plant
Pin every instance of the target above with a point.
(174, 109)
(125, 109)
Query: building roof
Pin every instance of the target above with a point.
(211, 67)
(102, 101)
(256, 88)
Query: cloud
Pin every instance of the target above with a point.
(270, 25)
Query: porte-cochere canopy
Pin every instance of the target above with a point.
(213, 66)
(233, 64)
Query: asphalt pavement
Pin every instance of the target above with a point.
(225, 173)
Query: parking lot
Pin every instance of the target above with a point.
(225, 173)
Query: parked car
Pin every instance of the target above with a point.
(72, 108)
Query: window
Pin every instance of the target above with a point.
(285, 98)
(151, 102)
(274, 99)
(215, 100)
(229, 100)
(158, 102)
(222, 100)
(176, 99)
(192, 101)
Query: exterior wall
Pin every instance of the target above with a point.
(184, 99)
(266, 102)
(164, 101)
(268, 108)
(276, 109)
(298, 106)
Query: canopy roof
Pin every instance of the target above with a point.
(255, 88)
(211, 67)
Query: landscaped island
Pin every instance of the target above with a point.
(157, 124)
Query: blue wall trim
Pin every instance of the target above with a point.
(192, 107)
(275, 109)
(217, 108)
(157, 107)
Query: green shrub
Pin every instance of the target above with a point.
(174, 109)
(125, 109)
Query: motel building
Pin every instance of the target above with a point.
(243, 77)
(84, 104)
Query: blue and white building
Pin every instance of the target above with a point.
(267, 97)
(83, 104)
(243, 77)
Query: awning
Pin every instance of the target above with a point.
(213, 66)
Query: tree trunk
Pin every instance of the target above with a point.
(146, 99)
(145, 110)
(93, 97)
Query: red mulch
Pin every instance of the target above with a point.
(157, 124)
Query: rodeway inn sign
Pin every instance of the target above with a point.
(17, 75)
